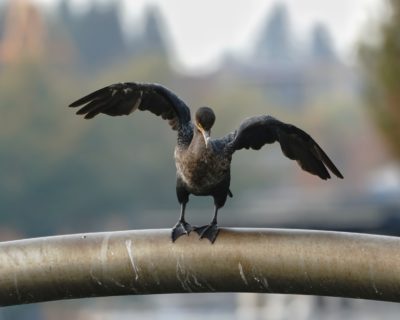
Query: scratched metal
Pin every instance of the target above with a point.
(241, 260)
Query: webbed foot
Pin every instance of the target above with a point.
(209, 231)
(181, 228)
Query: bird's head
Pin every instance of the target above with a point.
(204, 121)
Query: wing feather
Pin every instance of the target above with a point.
(295, 144)
(124, 98)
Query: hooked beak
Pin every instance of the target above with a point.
(206, 136)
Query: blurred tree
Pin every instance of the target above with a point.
(97, 33)
(381, 62)
(322, 47)
(153, 39)
(24, 33)
(275, 42)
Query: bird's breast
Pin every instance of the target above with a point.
(201, 172)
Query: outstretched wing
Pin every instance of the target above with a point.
(124, 98)
(295, 143)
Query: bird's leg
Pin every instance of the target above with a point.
(211, 230)
(181, 227)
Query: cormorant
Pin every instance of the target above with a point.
(202, 163)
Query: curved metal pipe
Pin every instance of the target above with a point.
(241, 260)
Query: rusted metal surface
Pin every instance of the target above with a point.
(241, 260)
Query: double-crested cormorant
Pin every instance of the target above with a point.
(202, 163)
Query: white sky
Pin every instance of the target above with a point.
(202, 30)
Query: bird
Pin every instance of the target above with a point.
(203, 164)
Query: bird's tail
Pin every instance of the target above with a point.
(230, 193)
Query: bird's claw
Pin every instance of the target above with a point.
(181, 228)
(209, 232)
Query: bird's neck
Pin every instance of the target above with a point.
(198, 144)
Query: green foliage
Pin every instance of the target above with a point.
(382, 65)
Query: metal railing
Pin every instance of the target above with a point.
(241, 260)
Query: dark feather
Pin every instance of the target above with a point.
(124, 98)
(296, 144)
(98, 94)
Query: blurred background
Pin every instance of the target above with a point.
(332, 69)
